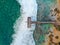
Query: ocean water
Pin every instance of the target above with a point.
(13, 21)
(24, 35)
(9, 12)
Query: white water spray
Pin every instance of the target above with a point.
(24, 35)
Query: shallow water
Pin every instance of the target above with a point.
(24, 35)
(43, 12)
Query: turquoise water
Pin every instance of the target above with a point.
(46, 11)
(9, 12)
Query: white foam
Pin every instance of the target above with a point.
(24, 35)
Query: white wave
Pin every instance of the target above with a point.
(24, 35)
